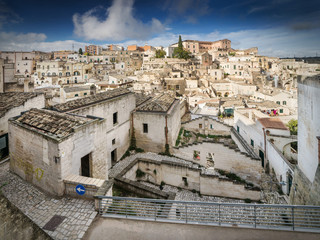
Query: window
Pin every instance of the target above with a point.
(278, 102)
(115, 118)
(281, 110)
(76, 95)
(211, 126)
(113, 141)
(145, 128)
(252, 143)
(177, 87)
(85, 94)
(284, 103)
(200, 125)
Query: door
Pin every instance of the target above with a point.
(261, 155)
(85, 166)
(114, 157)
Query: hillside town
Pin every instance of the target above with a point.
(194, 121)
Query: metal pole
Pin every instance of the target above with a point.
(292, 218)
(125, 202)
(155, 212)
(186, 213)
(219, 215)
(255, 217)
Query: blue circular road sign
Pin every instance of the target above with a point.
(80, 189)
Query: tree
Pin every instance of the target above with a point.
(293, 126)
(160, 53)
(80, 51)
(179, 52)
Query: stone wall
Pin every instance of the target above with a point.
(224, 158)
(303, 192)
(209, 126)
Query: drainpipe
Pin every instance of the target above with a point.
(166, 130)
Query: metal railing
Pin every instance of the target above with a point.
(282, 217)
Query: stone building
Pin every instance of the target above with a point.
(115, 106)
(306, 185)
(47, 146)
(157, 122)
(11, 105)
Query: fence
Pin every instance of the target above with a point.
(282, 217)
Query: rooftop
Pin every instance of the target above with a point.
(159, 103)
(51, 123)
(76, 89)
(13, 99)
(82, 102)
(141, 98)
(275, 123)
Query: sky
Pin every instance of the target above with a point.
(280, 28)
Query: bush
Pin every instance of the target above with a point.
(247, 200)
(139, 150)
(140, 173)
(126, 154)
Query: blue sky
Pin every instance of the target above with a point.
(277, 27)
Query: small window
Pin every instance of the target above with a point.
(115, 118)
(85, 94)
(145, 128)
(284, 103)
(200, 125)
(76, 95)
(278, 102)
(177, 87)
(211, 126)
(281, 110)
(252, 143)
(113, 141)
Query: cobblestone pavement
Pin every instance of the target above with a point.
(40, 208)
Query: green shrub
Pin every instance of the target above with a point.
(140, 173)
(247, 200)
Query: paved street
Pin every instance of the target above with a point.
(40, 208)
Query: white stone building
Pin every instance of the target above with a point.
(157, 122)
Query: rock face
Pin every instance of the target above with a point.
(15, 225)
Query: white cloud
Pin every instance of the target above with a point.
(119, 24)
(34, 41)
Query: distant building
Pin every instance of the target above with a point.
(93, 49)
(62, 55)
(195, 46)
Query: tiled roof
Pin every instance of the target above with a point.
(51, 123)
(275, 123)
(13, 99)
(78, 103)
(76, 89)
(141, 98)
(159, 103)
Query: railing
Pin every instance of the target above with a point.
(282, 217)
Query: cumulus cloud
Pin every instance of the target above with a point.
(11, 41)
(119, 24)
